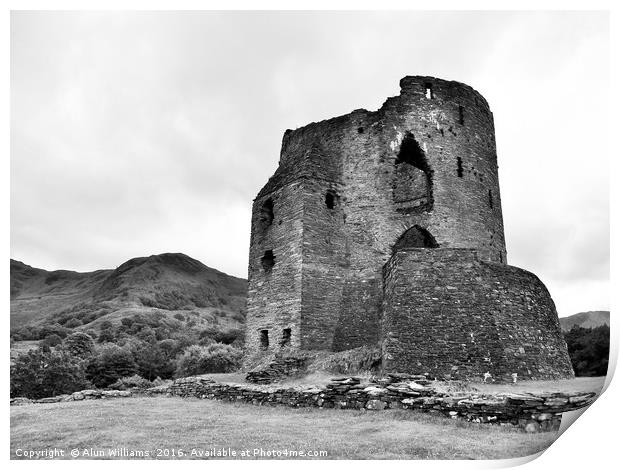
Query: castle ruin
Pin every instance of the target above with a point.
(385, 228)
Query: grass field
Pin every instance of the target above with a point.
(151, 423)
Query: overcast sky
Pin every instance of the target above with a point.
(141, 133)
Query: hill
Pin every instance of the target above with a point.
(169, 284)
(585, 320)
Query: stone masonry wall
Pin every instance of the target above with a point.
(327, 281)
(447, 313)
(274, 297)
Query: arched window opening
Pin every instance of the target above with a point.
(268, 261)
(415, 237)
(412, 187)
(266, 213)
(411, 152)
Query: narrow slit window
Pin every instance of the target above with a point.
(490, 199)
(459, 167)
(264, 339)
(501, 258)
(268, 261)
(286, 337)
(330, 200)
(461, 115)
(429, 91)
(266, 213)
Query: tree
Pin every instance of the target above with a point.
(588, 349)
(38, 374)
(170, 347)
(109, 364)
(73, 323)
(147, 334)
(79, 345)
(50, 341)
(153, 362)
(106, 336)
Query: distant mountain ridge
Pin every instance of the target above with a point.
(585, 320)
(165, 282)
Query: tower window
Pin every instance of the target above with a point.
(330, 200)
(266, 213)
(429, 91)
(461, 115)
(415, 237)
(459, 167)
(268, 261)
(264, 339)
(490, 199)
(411, 152)
(286, 337)
(412, 184)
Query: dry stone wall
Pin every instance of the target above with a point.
(75, 396)
(533, 412)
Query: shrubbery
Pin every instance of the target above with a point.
(135, 381)
(215, 357)
(151, 346)
(50, 341)
(227, 336)
(38, 374)
(79, 344)
(110, 364)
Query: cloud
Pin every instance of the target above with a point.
(144, 132)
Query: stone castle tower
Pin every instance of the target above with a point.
(385, 228)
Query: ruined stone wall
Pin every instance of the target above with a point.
(324, 253)
(447, 313)
(274, 294)
(426, 158)
(532, 412)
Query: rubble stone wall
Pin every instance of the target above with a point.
(533, 412)
(447, 313)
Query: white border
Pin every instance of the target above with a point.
(590, 443)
